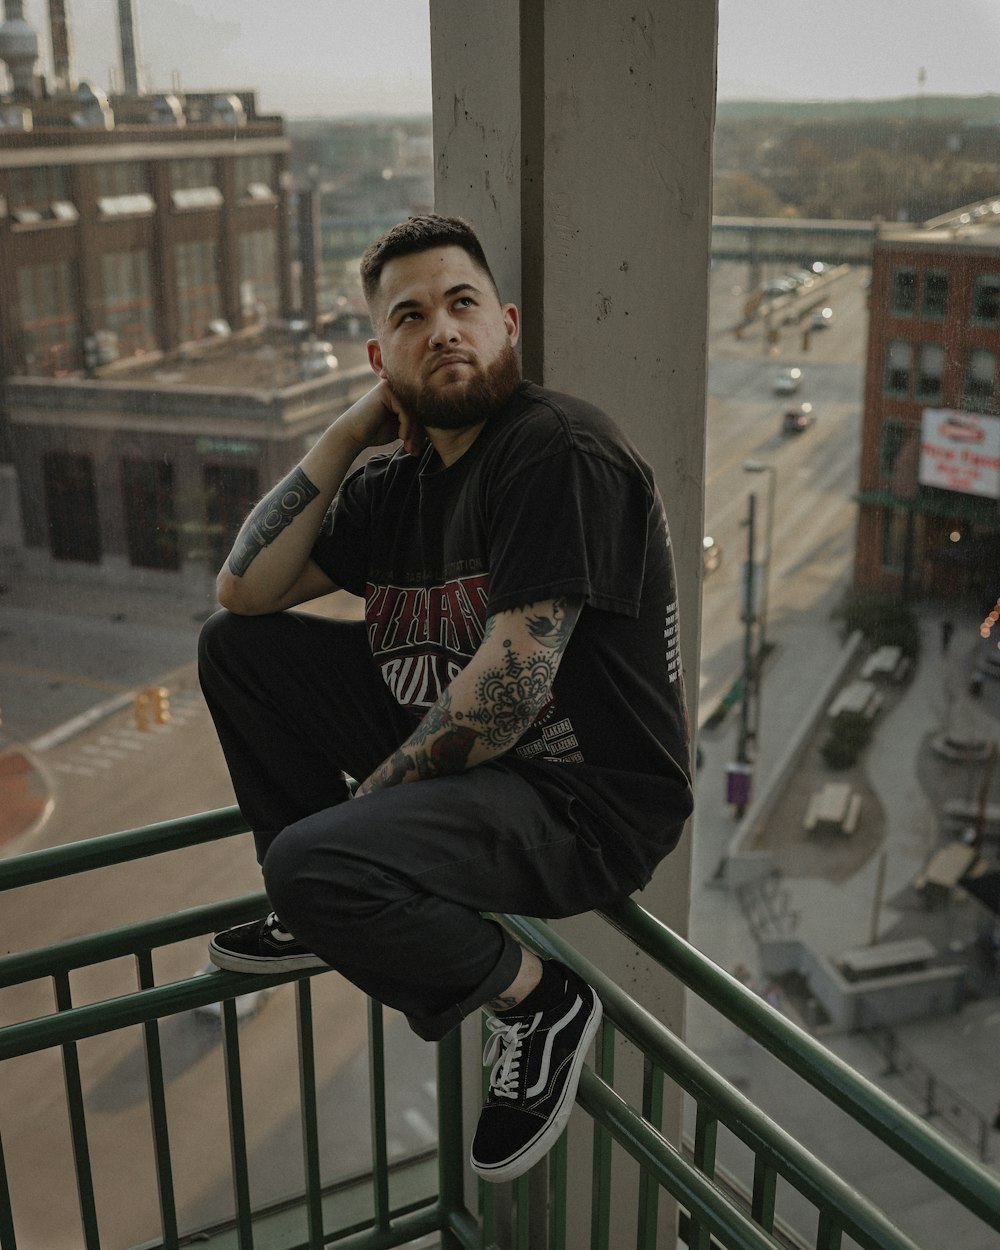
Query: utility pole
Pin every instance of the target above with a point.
(739, 774)
(749, 606)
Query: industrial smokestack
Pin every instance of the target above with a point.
(130, 52)
(19, 48)
(62, 46)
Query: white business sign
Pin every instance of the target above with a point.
(960, 451)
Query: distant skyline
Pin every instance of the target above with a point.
(335, 57)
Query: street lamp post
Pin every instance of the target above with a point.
(759, 466)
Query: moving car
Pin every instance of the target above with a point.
(795, 420)
(787, 381)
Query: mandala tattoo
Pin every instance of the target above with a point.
(274, 513)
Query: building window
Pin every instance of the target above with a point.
(71, 507)
(892, 436)
(198, 300)
(898, 364)
(255, 178)
(49, 314)
(150, 521)
(903, 294)
(128, 301)
(935, 296)
(894, 538)
(986, 298)
(188, 174)
(930, 370)
(40, 195)
(193, 184)
(258, 273)
(122, 189)
(120, 178)
(230, 493)
(980, 380)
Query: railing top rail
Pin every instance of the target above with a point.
(119, 848)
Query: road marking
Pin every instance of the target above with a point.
(69, 679)
(421, 1126)
(77, 770)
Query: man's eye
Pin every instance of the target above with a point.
(407, 316)
(464, 301)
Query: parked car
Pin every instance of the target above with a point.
(787, 381)
(822, 317)
(795, 420)
(711, 554)
(778, 286)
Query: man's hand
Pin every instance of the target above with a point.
(379, 418)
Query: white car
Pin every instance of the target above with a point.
(787, 381)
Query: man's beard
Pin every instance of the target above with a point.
(464, 404)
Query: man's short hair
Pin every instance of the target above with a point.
(420, 234)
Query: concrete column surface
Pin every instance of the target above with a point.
(576, 136)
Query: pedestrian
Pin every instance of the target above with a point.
(512, 704)
(947, 629)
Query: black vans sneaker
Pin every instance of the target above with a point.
(537, 1060)
(261, 946)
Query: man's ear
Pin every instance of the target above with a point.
(512, 320)
(375, 357)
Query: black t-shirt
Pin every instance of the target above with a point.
(550, 500)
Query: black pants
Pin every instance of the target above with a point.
(388, 889)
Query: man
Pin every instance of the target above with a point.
(512, 703)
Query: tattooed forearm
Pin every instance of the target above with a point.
(274, 513)
(491, 703)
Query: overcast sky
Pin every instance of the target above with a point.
(347, 56)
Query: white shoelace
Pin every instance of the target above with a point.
(276, 929)
(503, 1051)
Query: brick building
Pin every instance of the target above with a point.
(151, 387)
(928, 520)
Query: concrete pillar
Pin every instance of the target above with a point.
(576, 136)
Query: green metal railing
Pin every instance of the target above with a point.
(392, 1203)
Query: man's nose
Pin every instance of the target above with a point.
(444, 329)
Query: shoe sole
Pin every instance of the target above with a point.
(261, 964)
(540, 1145)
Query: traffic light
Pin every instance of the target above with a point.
(140, 710)
(159, 699)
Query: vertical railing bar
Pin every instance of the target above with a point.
(78, 1122)
(237, 1125)
(310, 1113)
(487, 1194)
(706, 1138)
(156, 1091)
(765, 1182)
(828, 1232)
(649, 1190)
(376, 1081)
(522, 1213)
(558, 1184)
(8, 1241)
(600, 1219)
(451, 1138)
